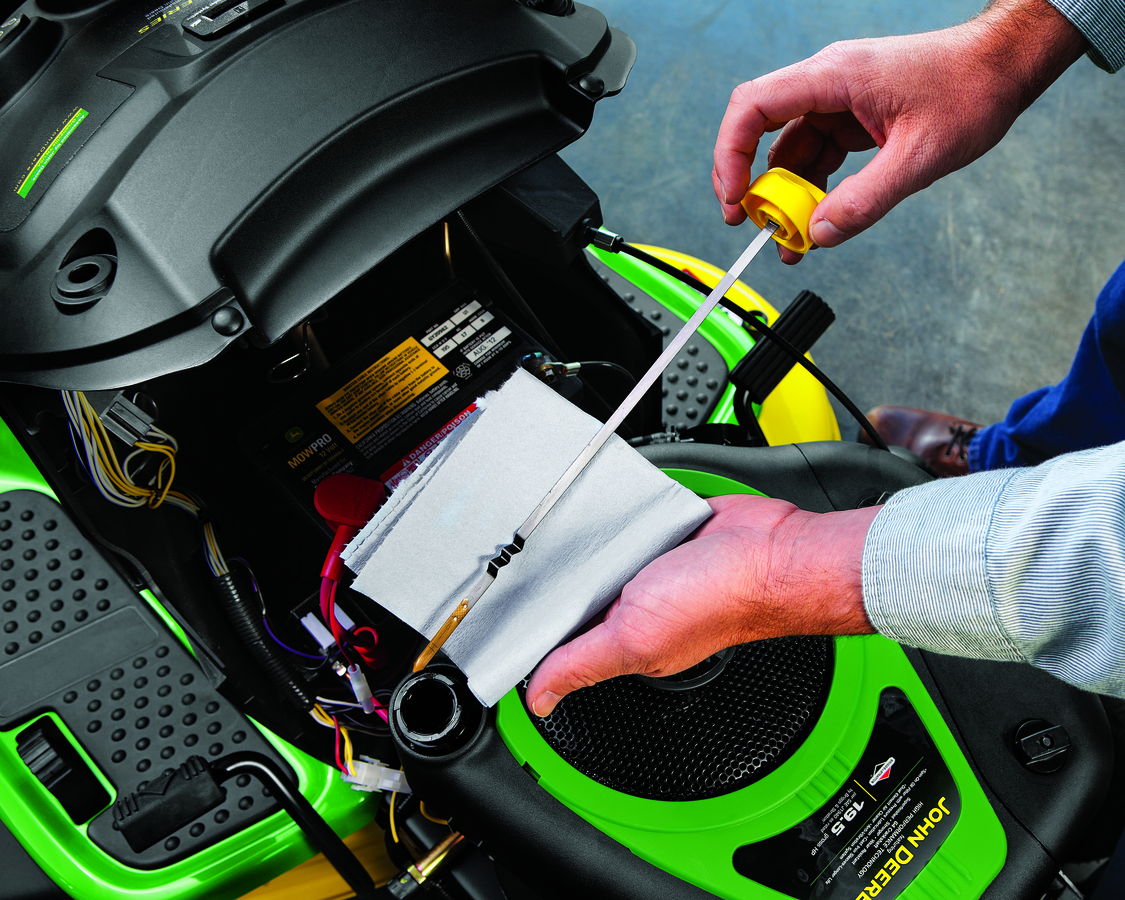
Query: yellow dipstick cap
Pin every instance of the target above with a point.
(777, 195)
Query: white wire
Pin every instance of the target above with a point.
(164, 436)
(75, 407)
(80, 413)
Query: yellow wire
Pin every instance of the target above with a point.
(94, 432)
(394, 831)
(153, 501)
(94, 428)
(425, 814)
(348, 756)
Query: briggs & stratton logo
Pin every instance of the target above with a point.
(882, 772)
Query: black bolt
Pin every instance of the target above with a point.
(591, 84)
(227, 321)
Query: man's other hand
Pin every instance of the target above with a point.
(758, 568)
(932, 103)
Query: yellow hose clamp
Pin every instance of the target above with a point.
(778, 195)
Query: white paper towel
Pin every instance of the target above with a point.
(421, 552)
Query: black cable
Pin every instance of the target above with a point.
(318, 832)
(605, 363)
(744, 412)
(657, 263)
(761, 327)
(506, 283)
(758, 325)
(252, 633)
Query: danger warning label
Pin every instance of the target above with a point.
(382, 389)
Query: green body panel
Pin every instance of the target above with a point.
(707, 484)
(729, 339)
(229, 869)
(17, 471)
(694, 840)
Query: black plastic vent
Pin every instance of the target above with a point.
(694, 744)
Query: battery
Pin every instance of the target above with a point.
(384, 409)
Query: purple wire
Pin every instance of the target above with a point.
(280, 642)
(265, 620)
(80, 457)
(253, 580)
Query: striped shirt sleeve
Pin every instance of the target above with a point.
(1016, 564)
(1102, 23)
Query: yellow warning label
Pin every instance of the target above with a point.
(382, 389)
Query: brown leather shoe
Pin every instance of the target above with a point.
(941, 440)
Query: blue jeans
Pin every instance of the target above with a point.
(1086, 409)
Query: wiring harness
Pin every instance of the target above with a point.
(134, 483)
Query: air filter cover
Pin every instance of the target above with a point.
(702, 742)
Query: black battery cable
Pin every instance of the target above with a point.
(614, 243)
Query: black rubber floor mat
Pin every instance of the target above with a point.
(77, 641)
(694, 382)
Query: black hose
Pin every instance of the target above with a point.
(319, 832)
(753, 322)
(248, 626)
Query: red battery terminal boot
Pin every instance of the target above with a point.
(346, 502)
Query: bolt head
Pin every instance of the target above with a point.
(591, 84)
(227, 321)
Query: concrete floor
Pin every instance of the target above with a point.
(968, 294)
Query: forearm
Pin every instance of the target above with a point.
(1027, 42)
(1018, 564)
(813, 581)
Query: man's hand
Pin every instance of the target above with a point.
(757, 568)
(932, 103)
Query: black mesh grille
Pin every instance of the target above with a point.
(689, 745)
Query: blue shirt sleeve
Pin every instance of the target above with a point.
(1015, 564)
(1102, 23)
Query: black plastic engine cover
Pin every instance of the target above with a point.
(262, 168)
(530, 833)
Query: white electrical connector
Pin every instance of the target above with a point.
(361, 689)
(343, 618)
(372, 775)
(319, 632)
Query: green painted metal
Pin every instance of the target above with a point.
(707, 485)
(729, 339)
(225, 871)
(695, 840)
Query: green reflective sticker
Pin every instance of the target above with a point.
(49, 152)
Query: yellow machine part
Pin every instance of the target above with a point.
(779, 196)
(798, 409)
(315, 879)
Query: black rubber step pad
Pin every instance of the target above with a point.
(76, 640)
